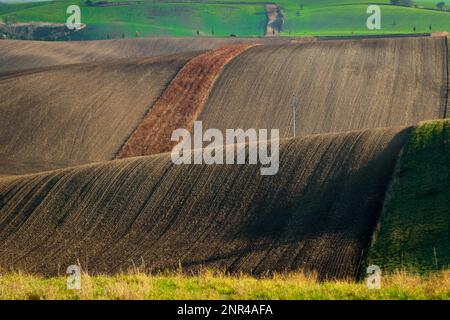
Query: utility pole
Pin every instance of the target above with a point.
(294, 106)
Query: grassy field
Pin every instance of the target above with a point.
(351, 19)
(414, 231)
(150, 18)
(307, 17)
(210, 285)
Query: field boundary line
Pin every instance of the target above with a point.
(447, 75)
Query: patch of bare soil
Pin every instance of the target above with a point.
(275, 19)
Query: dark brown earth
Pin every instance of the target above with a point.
(317, 214)
(339, 86)
(55, 116)
(19, 55)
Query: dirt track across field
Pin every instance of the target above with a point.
(317, 214)
(339, 86)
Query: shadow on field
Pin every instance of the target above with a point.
(325, 226)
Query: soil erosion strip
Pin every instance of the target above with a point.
(180, 103)
(275, 19)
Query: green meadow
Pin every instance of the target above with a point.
(149, 18)
(223, 18)
(414, 230)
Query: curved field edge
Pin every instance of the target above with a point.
(60, 116)
(20, 54)
(414, 231)
(316, 215)
(180, 103)
(339, 86)
(213, 285)
(447, 112)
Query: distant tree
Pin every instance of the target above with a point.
(414, 28)
(430, 27)
(212, 32)
(10, 23)
(138, 34)
(10, 20)
(440, 5)
(89, 3)
(123, 35)
(108, 36)
(198, 32)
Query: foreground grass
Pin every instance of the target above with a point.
(218, 286)
(415, 226)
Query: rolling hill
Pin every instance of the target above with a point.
(317, 214)
(64, 200)
(223, 18)
(338, 85)
(55, 116)
(19, 55)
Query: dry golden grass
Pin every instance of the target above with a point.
(216, 285)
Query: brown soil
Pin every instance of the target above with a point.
(317, 214)
(79, 113)
(19, 55)
(340, 86)
(180, 103)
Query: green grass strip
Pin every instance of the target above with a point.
(414, 231)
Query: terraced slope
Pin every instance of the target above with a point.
(67, 115)
(18, 55)
(339, 85)
(317, 213)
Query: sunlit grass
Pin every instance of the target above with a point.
(414, 227)
(216, 285)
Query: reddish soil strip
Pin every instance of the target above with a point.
(180, 103)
